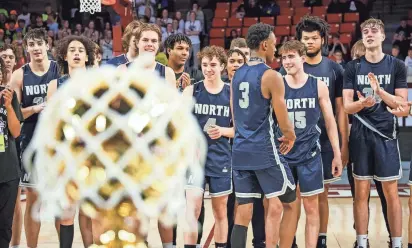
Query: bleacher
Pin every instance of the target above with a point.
(224, 21)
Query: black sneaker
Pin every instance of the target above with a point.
(355, 245)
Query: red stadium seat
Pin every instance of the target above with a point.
(298, 3)
(334, 28)
(346, 39)
(221, 13)
(330, 39)
(284, 20)
(229, 30)
(282, 30)
(319, 10)
(334, 18)
(286, 11)
(219, 22)
(234, 22)
(351, 17)
(268, 20)
(222, 5)
(244, 32)
(348, 28)
(249, 21)
(297, 18)
(284, 4)
(303, 10)
(217, 42)
(217, 33)
(234, 7)
(293, 30)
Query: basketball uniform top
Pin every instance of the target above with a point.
(118, 60)
(160, 68)
(214, 109)
(61, 80)
(254, 145)
(304, 112)
(331, 73)
(34, 90)
(391, 75)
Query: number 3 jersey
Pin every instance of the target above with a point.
(254, 146)
(214, 109)
(391, 75)
(304, 113)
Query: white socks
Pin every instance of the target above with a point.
(167, 245)
(396, 242)
(362, 241)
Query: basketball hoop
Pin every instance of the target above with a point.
(91, 6)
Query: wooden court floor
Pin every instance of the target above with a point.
(340, 233)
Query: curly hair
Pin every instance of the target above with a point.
(147, 27)
(310, 23)
(3, 72)
(171, 41)
(213, 51)
(63, 45)
(258, 33)
(35, 34)
(128, 32)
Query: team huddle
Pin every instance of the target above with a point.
(274, 139)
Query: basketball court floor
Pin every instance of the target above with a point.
(340, 229)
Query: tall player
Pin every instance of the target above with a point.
(372, 83)
(306, 99)
(212, 110)
(128, 43)
(73, 52)
(256, 92)
(313, 32)
(30, 84)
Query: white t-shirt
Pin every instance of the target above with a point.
(26, 18)
(193, 26)
(408, 62)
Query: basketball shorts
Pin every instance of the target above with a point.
(374, 157)
(275, 181)
(309, 177)
(218, 186)
(327, 158)
(27, 179)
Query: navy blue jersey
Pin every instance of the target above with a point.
(61, 80)
(304, 112)
(214, 109)
(160, 68)
(331, 74)
(391, 74)
(254, 145)
(118, 60)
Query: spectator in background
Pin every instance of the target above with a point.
(164, 20)
(7, 40)
(337, 46)
(21, 26)
(336, 7)
(52, 24)
(199, 15)
(107, 26)
(169, 31)
(50, 42)
(270, 8)
(20, 58)
(141, 6)
(13, 15)
(193, 29)
(25, 15)
(11, 29)
(357, 6)
(179, 19)
(66, 26)
(91, 31)
(252, 9)
(106, 45)
(149, 14)
(312, 3)
(233, 35)
(402, 36)
(396, 52)
(338, 56)
(47, 11)
(79, 28)
(39, 22)
(19, 38)
(408, 62)
(3, 20)
(240, 11)
(144, 19)
(176, 27)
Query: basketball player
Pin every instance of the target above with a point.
(379, 80)
(307, 98)
(128, 43)
(212, 110)
(358, 50)
(257, 91)
(73, 52)
(30, 84)
(8, 54)
(240, 43)
(313, 32)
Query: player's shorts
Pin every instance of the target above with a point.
(218, 186)
(327, 158)
(374, 157)
(275, 181)
(27, 179)
(309, 176)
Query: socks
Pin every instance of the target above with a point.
(220, 245)
(362, 241)
(66, 236)
(239, 236)
(396, 242)
(16, 246)
(190, 246)
(321, 240)
(198, 246)
(167, 245)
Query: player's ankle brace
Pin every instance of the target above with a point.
(239, 236)
(220, 245)
(66, 236)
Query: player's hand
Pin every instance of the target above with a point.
(214, 132)
(39, 107)
(337, 166)
(344, 150)
(403, 109)
(286, 145)
(7, 95)
(366, 101)
(184, 80)
(374, 83)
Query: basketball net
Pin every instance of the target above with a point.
(90, 6)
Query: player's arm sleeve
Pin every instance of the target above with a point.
(282, 71)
